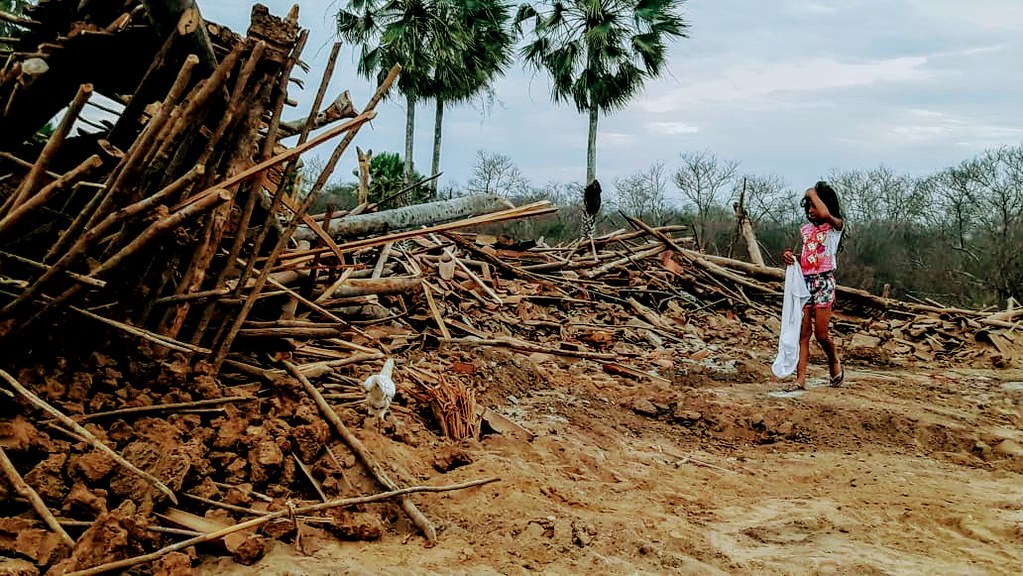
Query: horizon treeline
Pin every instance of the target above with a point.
(952, 237)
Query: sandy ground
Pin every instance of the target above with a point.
(905, 471)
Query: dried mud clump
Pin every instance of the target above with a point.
(174, 564)
(117, 535)
(17, 567)
(26, 538)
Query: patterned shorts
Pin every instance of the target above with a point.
(822, 289)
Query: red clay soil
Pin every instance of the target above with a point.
(909, 470)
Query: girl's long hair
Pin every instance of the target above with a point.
(829, 197)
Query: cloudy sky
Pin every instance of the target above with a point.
(790, 87)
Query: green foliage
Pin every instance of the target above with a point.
(386, 185)
(474, 48)
(386, 182)
(16, 7)
(598, 53)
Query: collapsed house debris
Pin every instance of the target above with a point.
(186, 345)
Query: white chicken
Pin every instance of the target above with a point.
(380, 390)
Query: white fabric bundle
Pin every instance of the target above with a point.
(796, 295)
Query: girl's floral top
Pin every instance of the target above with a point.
(819, 246)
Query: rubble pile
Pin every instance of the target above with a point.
(184, 346)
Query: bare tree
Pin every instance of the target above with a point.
(642, 195)
(954, 204)
(767, 198)
(1000, 175)
(496, 173)
(879, 195)
(702, 178)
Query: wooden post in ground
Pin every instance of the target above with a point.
(746, 228)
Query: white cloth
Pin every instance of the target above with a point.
(795, 297)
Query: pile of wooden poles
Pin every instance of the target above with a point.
(183, 206)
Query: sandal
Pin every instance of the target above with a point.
(837, 381)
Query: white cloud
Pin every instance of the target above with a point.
(670, 128)
(982, 14)
(790, 86)
(616, 140)
(753, 81)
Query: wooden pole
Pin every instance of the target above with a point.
(224, 345)
(95, 233)
(28, 185)
(364, 456)
(32, 496)
(256, 522)
(746, 228)
(33, 202)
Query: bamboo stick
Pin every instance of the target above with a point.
(44, 267)
(87, 436)
(158, 339)
(309, 476)
(434, 310)
(283, 332)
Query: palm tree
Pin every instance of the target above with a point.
(16, 7)
(599, 52)
(485, 39)
(390, 32)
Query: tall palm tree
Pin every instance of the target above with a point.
(16, 7)
(466, 66)
(390, 32)
(599, 52)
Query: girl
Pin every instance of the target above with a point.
(817, 259)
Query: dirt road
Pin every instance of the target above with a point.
(908, 471)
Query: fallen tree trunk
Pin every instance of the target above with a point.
(409, 217)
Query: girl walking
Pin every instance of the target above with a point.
(817, 259)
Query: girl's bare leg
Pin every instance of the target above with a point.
(805, 331)
(821, 321)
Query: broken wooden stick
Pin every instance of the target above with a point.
(32, 496)
(28, 185)
(367, 459)
(164, 407)
(523, 346)
(256, 522)
(89, 437)
(34, 201)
